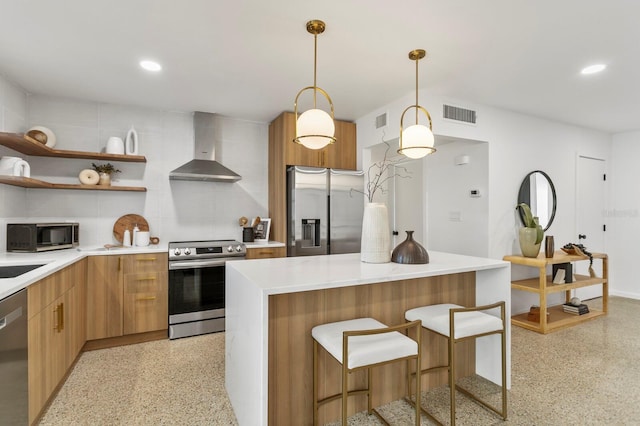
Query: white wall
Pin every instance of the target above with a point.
(175, 210)
(517, 145)
(623, 215)
(466, 218)
(13, 118)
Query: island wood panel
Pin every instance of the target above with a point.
(293, 315)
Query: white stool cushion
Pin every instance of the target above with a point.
(436, 318)
(364, 350)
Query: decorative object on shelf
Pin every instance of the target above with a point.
(105, 171)
(43, 135)
(410, 251)
(131, 142)
(14, 166)
(243, 221)
(534, 314)
(562, 273)
(114, 146)
(89, 177)
(417, 140)
(375, 243)
(154, 240)
(530, 236)
(126, 238)
(549, 248)
(315, 128)
(575, 301)
(580, 250)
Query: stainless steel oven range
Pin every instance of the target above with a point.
(196, 285)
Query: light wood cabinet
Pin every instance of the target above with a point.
(265, 252)
(553, 318)
(146, 299)
(56, 331)
(105, 283)
(284, 152)
(129, 294)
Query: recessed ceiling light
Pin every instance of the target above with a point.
(150, 66)
(592, 69)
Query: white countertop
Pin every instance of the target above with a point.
(55, 260)
(294, 274)
(263, 244)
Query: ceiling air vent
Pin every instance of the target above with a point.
(381, 120)
(459, 114)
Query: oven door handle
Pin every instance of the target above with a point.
(192, 264)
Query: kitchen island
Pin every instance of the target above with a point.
(272, 304)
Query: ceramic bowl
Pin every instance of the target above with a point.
(43, 135)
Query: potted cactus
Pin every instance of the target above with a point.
(531, 235)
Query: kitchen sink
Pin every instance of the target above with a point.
(17, 270)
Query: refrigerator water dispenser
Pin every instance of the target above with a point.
(310, 233)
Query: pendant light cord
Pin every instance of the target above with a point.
(417, 60)
(315, 61)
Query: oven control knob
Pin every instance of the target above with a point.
(187, 251)
(230, 249)
(177, 252)
(238, 248)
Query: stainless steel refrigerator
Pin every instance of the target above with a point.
(324, 215)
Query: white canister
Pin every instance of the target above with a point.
(126, 238)
(114, 145)
(142, 238)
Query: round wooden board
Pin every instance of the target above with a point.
(128, 221)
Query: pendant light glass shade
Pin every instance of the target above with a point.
(315, 127)
(417, 140)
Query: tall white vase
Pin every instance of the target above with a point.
(375, 246)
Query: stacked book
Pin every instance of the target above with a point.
(580, 309)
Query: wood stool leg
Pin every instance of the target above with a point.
(315, 382)
(452, 378)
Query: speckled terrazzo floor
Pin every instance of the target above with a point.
(584, 375)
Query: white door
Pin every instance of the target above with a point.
(590, 205)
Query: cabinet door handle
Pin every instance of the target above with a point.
(56, 318)
(146, 279)
(146, 259)
(266, 252)
(119, 263)
(146, 298)
(61, 313)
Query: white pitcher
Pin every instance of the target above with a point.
(131, 142)
(14, 166)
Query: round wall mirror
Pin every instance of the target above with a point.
(538, 192)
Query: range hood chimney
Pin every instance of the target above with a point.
(204, 167)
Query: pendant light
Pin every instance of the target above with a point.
(417, 140)
(315, 128)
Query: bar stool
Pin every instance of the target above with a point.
(364, 343)
(463, 323)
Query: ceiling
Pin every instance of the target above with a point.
(248, 58)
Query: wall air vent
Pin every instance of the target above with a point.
(381, 120)
(459, 114)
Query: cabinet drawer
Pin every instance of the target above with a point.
(146, 302)
(265, 252)
(42, 293)
(146, 262)
(145, 282)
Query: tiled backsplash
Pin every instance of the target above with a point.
(175, 210)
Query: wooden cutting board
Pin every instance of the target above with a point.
(128, 221)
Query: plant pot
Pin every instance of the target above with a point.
(375, 245)
(527, 237)
(105, 179)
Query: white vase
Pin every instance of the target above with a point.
(375, 246)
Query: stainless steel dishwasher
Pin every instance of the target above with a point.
(14, 399)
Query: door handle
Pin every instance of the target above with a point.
(582, 237)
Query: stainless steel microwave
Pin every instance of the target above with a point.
(35, 237)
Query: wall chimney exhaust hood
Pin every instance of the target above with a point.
(204, 167)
